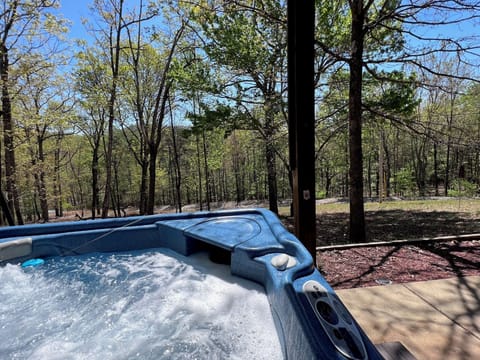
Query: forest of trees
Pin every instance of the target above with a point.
(185, 102)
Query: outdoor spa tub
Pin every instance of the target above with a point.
(310, 320)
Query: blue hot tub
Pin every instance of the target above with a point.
(311, 321)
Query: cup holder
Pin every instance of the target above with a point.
(327, 312)
(335, 320)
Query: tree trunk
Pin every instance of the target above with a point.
(57, 182)
(205, 164)
(42, 188)
(381, 168)
(176, 159)
(6, 211)
(152, 174)
(236, 168)
(95, 189)
(270, 157)
(108, 158)
(43, 197)
(357, 212)
(271, 177)
(346, 175)
(328, 182)
(256, 177)
(213, 188)
(447, 167)
(435, 169)
(369, 176)
(199, 170)
(388, 169)
(117, 196)
(10, 165)
(143, 188)
(159, 111)
(115, 61)
(35, 205)
(449, 142)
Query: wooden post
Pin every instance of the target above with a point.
(301, 118)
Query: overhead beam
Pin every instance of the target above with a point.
(301, 118)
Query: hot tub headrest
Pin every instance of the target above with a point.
(15, 249)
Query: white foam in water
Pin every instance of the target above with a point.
(145, 305)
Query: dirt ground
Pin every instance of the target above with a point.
(379, 265)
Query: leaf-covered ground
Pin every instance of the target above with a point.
(397, 220)
(383, 265)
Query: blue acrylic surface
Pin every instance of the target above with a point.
(252, 237)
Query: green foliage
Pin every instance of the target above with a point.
(463, 188)
(384, 35)
(321, 194)
(209, 119)
(332, 28)
(404, 182)
(244, 39)
(218, 116)
(392, 93)
(191, 74)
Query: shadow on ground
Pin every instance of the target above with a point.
(370, 266)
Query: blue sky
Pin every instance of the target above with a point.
(74, 10)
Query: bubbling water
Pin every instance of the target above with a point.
(146, 304)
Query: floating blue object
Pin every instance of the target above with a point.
(33, 263)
